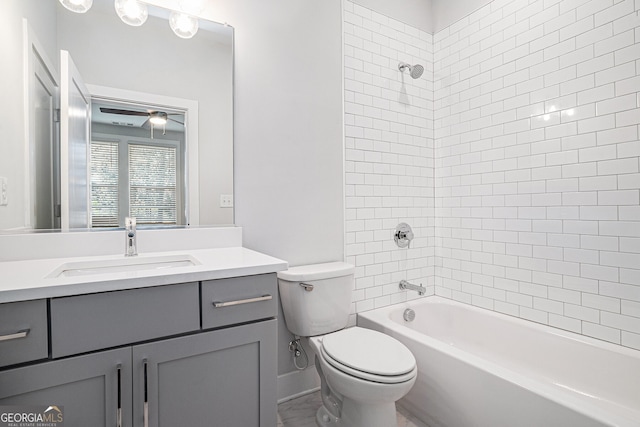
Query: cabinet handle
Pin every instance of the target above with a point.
(119, 411)
(218, 304)
(145, 409)
(15, 336)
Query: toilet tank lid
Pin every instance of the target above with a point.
(327, 270)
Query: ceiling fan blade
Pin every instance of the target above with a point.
(146, 124)
(174, 120)
(123, 112)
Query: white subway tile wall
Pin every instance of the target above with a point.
(389, 156)
(537, 188)
(515, 157)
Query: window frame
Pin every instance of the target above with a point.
(123, 142)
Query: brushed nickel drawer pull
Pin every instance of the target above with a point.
(218, 304)
(145, 406)
(15, 336)
(119, 409)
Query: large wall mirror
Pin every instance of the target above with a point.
(102, 120)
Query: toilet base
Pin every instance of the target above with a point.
(325, 419)
(359, 416)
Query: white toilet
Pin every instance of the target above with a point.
(363, 372)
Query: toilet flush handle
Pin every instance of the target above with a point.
(307, 287)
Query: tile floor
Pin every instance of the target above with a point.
(301, 412)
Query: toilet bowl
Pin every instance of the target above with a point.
(369, 371)
(362, 372)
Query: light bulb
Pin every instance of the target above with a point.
(183, 25)
(132, 12)
(77, 6)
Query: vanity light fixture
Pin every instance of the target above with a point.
(132, 12)
(77, 6)
(183, 25)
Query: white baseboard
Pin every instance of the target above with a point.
(297, 383)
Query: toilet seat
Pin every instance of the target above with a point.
(369, 355)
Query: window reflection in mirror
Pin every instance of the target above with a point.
(137, 165)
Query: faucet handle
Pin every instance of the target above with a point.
(130, 223)
(403, 235)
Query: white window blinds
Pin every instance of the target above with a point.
(104, 184)
(153, 184)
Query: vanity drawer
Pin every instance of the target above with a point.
(23, 332)
(97, 321)
(239, 299)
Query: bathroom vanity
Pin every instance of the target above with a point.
(190, 345)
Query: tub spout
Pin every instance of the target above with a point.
(404, 285)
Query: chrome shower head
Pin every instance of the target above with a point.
(415, 71)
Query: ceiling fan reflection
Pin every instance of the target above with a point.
(154, 117)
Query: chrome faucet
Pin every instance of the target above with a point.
(131, 248)
(404, 285)
(403, 235)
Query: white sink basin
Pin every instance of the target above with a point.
(124, 264)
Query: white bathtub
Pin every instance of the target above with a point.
(480, 368)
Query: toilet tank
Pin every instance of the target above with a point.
(316, 299)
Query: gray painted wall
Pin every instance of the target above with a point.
(446, 12)
(417, 13)
(288, 145)
(427, 15)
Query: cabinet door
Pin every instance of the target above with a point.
(87, 387)
(223, 378)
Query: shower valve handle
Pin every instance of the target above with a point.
(403, 235)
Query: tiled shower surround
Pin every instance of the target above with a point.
(389, 155)
(526, 198)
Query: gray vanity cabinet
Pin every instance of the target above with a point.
(222, 378)
(192, 354)
(87, 387)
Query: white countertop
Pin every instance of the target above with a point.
(27, 280)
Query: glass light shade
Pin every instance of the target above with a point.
(77, 6)
(132, 12)
(183, 25)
